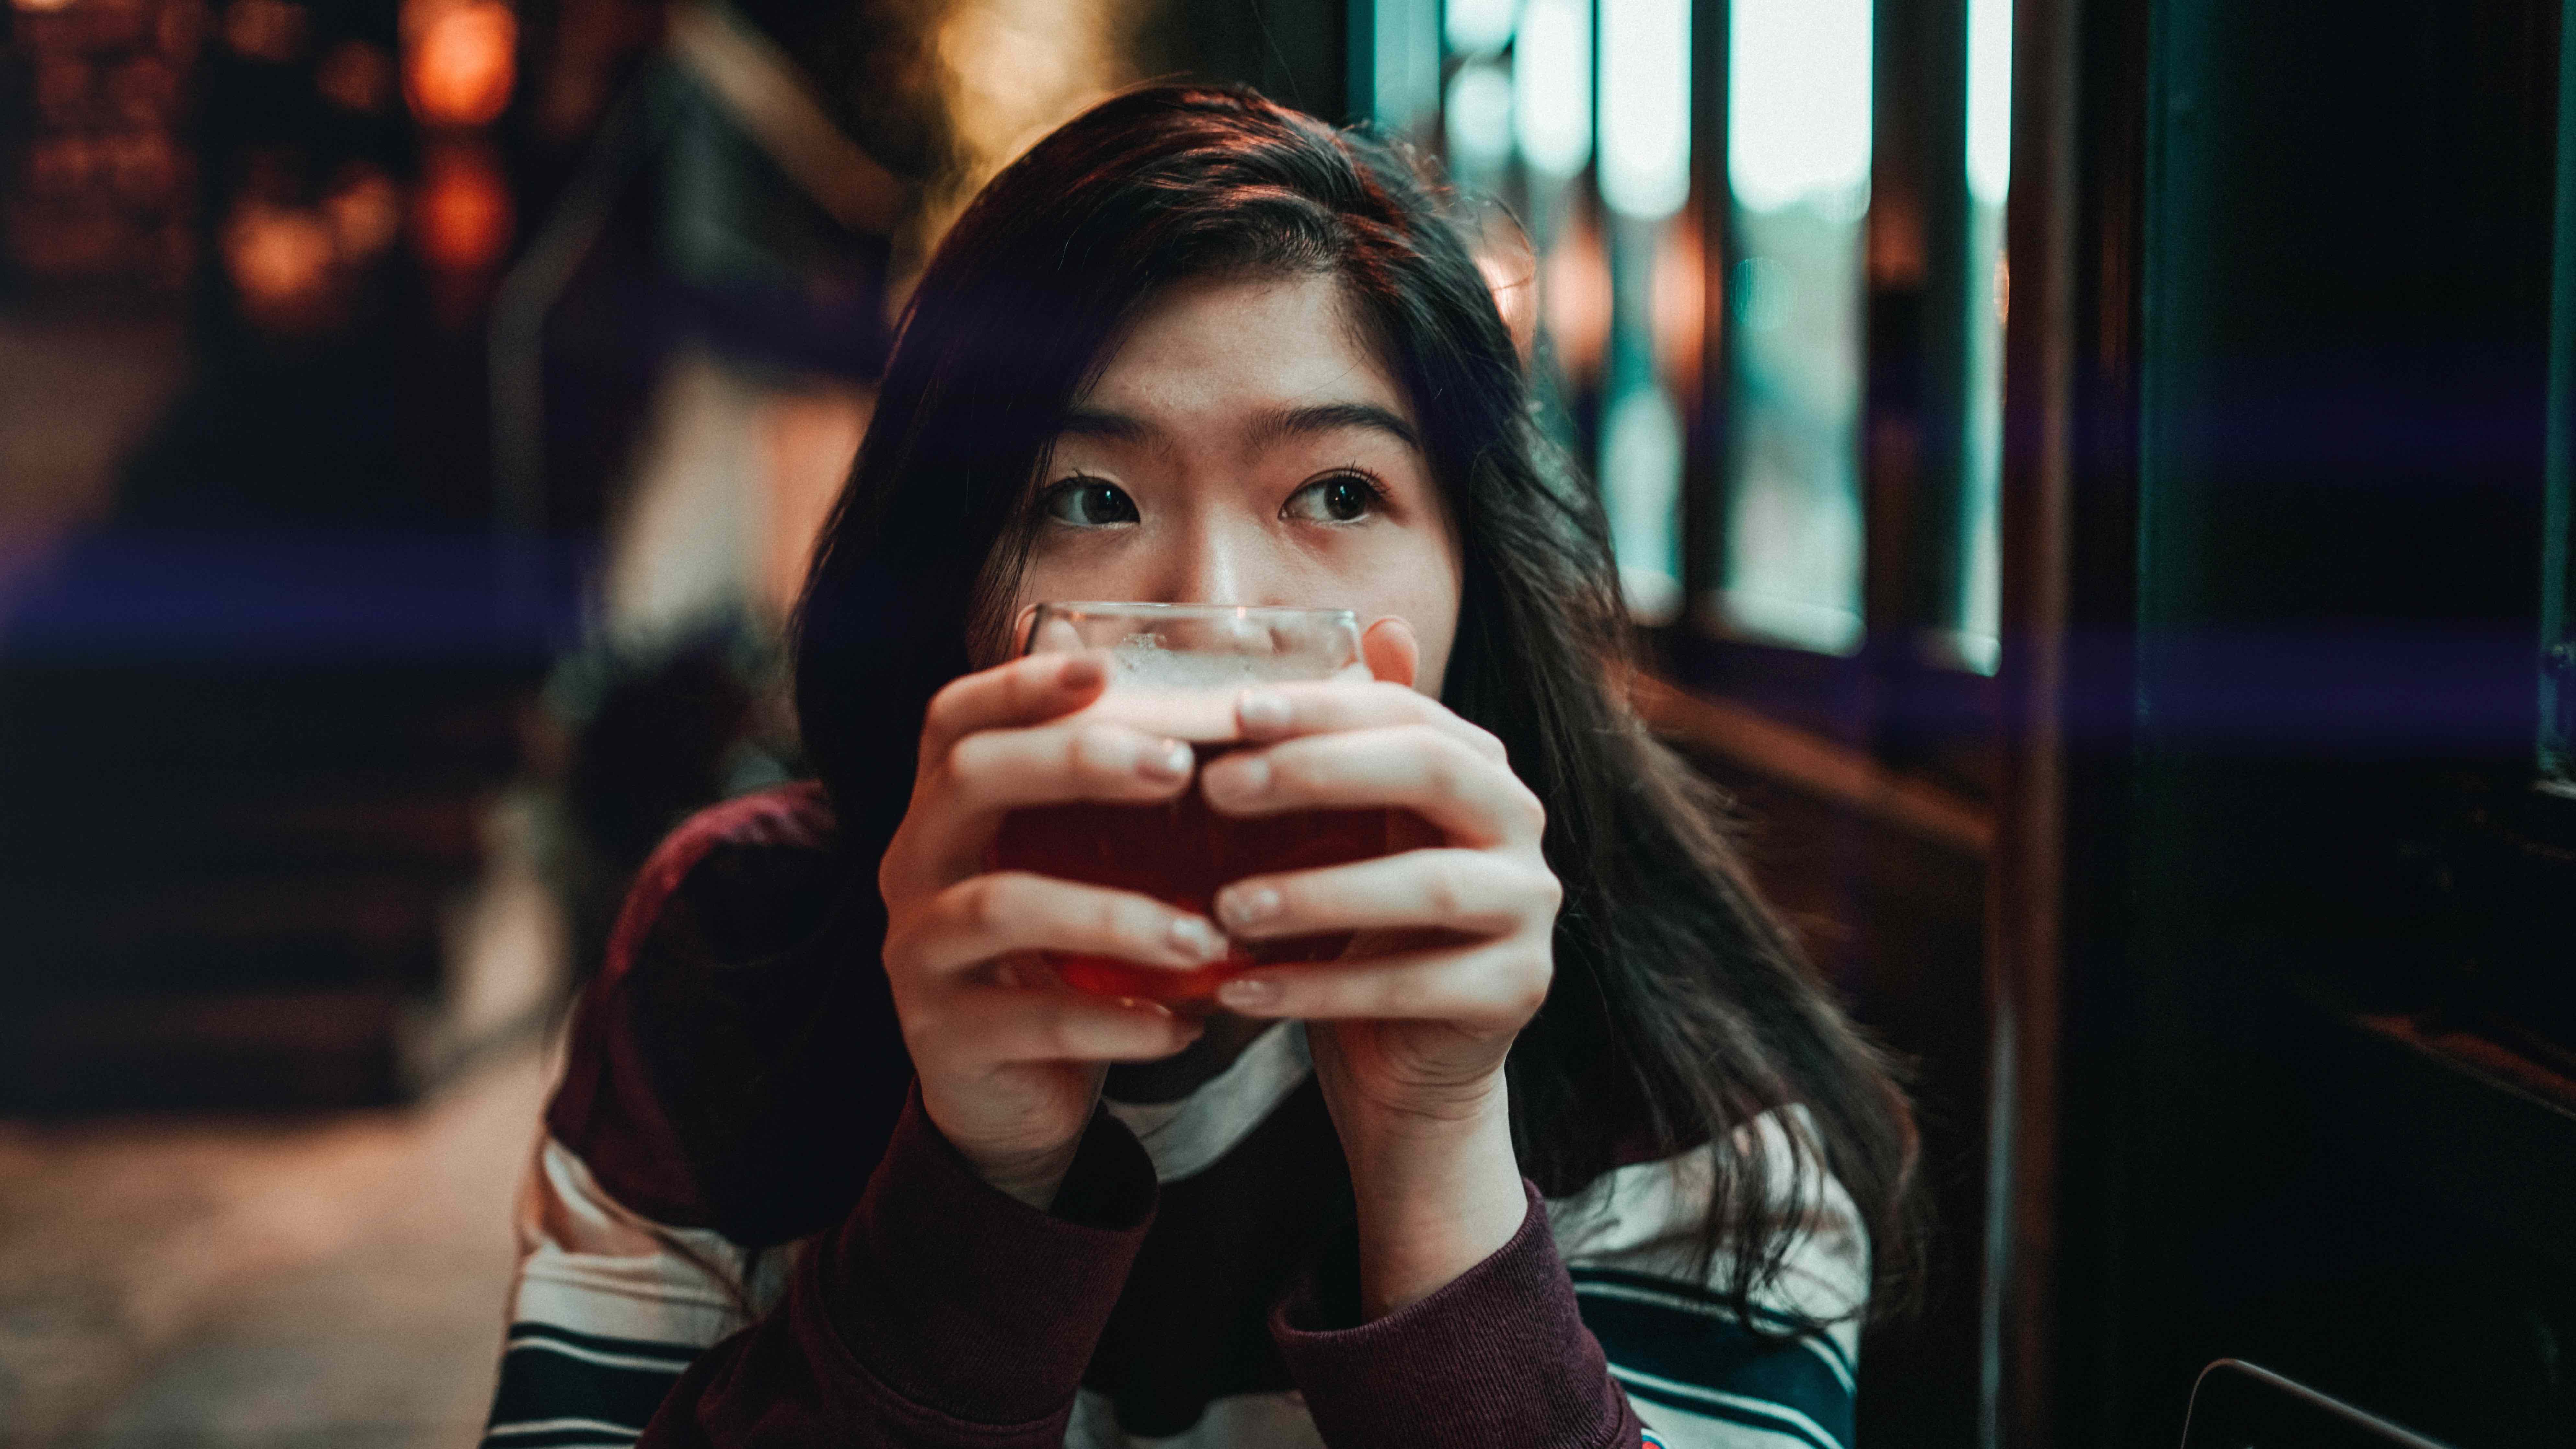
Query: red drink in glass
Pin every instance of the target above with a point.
(1177, 669)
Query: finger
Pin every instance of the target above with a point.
(994, 915)
(1284, 711)
(1393, 654)
(997, 1024)
(991, 772)
(1457, 788)
(1025, 691)
(1493, 987)
(1088, 759)
(1458, 890)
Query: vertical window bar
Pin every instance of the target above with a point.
(2558, 576)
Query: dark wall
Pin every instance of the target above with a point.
(2329, 712)
(1291, 50)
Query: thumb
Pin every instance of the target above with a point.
(1391, 651)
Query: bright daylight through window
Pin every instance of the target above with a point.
(1798, 159)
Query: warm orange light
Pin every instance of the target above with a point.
(462, 216)
(1680, 305)
(1575, 299)
(1514, 283)
(1004, 73)
(365, 213)
(460, 60)
(1510, 269)
(280, 261)
(269, 30)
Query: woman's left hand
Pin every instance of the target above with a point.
(1454, 951)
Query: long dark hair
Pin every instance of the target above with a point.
(1681, 1009)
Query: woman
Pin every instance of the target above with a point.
(1580, 1147)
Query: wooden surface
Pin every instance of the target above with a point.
(260, 1284)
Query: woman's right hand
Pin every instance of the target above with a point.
(1010, 1062)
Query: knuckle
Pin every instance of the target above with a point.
(1298, 772)
(946, 707)
(1547, 890)
(924, 1027)
(898, 951)
(987, 904)
(1099, 749)
(1116, 919)
(1446, 890)
(961, 769)
(1525, 981)
(944, 702)
(1532, 810)
(1061, 1030)
(1450, 764)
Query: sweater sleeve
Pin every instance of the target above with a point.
(942, 1312)
(1500, 1355)
(742, 1230)
(1595, 1326)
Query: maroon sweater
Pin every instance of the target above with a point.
(745, 1229)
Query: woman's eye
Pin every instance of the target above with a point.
(1344, 499)
(1088, 503)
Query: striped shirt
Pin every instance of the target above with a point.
(653, 1278)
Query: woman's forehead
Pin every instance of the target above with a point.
(1243, 351)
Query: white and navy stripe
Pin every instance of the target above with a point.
(1698, 1374)
(561, 1388)
(1678, 1346)
(612, 1308)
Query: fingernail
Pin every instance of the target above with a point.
(1197, 939)
(1150, 1008)
(1164, 760)
(1262, 709)
(1081, 672)
(1248, 993)
(1247, 905)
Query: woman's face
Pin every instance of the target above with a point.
(1245, 446)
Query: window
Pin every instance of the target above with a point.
(1798, 118)
(1740, 495)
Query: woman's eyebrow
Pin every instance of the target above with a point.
(1094, 423)
(1332, 417)
(1266, 428)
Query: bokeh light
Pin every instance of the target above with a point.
(461, 215)
(1552, 86)
(460, 60)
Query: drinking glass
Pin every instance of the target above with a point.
(1177, 670)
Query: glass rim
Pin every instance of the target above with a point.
(1193, 611)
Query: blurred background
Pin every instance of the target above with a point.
(2093, 476)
